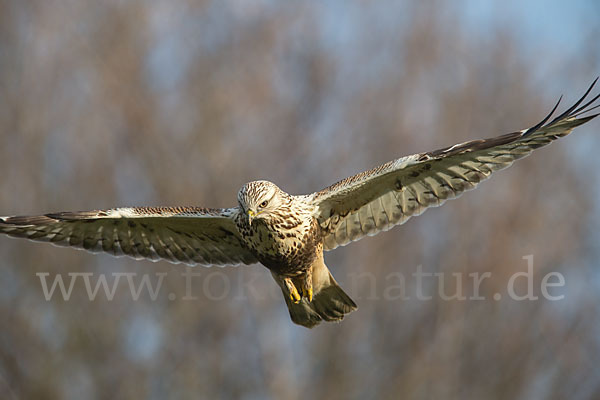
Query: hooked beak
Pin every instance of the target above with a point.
(251, 215)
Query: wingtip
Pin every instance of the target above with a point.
(572, 111)
(542, 122)
(591, 86)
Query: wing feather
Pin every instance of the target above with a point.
(189, 235)
(388, 195)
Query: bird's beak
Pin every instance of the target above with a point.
(251, 215)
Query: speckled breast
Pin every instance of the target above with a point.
(287, 251)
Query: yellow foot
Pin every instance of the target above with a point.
(307, 293)
(294, 295)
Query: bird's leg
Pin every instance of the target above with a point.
(294, 295)
(306, 285)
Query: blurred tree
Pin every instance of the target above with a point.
(119, 103)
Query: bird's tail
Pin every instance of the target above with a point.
(329, 303)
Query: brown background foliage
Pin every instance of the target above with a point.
(117, 103)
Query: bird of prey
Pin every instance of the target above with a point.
(287, 233)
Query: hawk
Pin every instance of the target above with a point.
(289, 233)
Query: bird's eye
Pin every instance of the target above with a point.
(264, 204)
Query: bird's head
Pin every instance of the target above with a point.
(259, 199)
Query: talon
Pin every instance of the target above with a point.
(310, 294)
(307, 293)
(294, 295)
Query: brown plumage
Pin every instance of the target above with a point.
(287, 233)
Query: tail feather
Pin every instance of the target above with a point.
(329, 303)
(332, 303)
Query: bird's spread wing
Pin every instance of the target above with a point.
(189, 235)
(388, 195)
